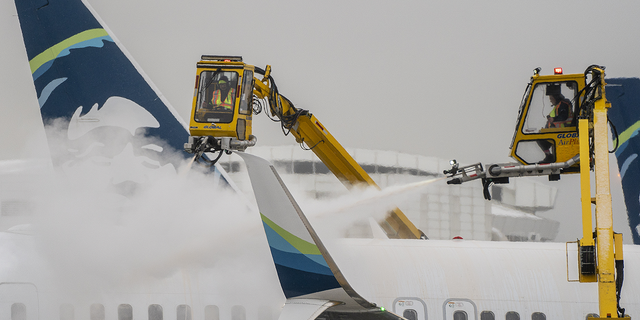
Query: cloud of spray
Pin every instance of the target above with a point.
(333, 217)
(116, 213)
(93, 232)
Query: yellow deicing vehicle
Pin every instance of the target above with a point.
(227, 94)
(546, 131)
(562, 128)
(222, 101)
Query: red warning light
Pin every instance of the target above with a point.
(557, 70)
(227, 60)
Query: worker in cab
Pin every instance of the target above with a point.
(224, 96)
(561, 114)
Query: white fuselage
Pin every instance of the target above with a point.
(426, 279)
(437, 278)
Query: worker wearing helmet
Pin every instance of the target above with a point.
(561, 115)
(224, 96)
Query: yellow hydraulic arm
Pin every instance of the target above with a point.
(306, 128)
(604, 252)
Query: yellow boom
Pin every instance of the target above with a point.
(306, 128)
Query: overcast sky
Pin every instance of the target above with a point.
(432, 78)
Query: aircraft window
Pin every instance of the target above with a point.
(410, 314)
(246, 98)
(543, 100)
(18, 311)
(460, 315)
(238, 313)
(512, 315)
(125, 312)
(184, 312)
(538, 316)
(211, 313)
(155, 312)
(487, 315)
(66, 312)
(216, 96)
(96, 312)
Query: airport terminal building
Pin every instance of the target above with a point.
(441, 211)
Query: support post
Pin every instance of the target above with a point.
(604, 216)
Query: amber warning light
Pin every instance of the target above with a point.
(557, 70)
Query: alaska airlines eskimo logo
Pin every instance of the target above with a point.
(212, 126)
(108, 140)
(120, 133)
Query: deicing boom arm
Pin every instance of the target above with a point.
(475, 171)
(307, 129)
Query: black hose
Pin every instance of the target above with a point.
(275, 98)
(619, 280)
(615, 134)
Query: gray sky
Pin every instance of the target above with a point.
(433, 78)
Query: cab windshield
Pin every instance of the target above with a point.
(216, 96)
(551, 107)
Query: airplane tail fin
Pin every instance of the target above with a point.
(624, 95)
(83, 75)
(305, 268)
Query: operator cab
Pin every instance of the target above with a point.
(546, 131)
(222, 100)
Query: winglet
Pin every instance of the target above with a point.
(305, 267)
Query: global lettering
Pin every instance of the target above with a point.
(567, 135)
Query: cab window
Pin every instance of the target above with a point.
(246, 97)
(217, 92)
(551, 108)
